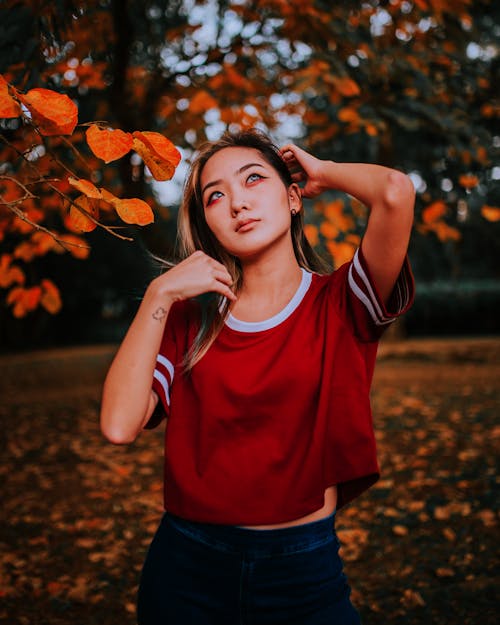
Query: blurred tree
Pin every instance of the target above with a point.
(409, 84)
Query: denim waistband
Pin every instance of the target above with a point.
(258, 542)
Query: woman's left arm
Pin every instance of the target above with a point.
(388, 193)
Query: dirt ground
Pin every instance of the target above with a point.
(421, 547)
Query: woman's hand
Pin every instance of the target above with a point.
(305, 168)
(197, 274)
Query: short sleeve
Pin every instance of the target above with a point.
(369, 315)
(166, 360)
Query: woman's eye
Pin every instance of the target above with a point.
(214, 196)
(253, 177)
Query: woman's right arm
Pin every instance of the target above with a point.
(127, 399)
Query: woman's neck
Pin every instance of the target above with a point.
(268, 285)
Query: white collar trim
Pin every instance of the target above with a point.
(272, 322)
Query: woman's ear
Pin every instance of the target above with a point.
(295, 197)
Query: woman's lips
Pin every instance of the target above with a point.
(246, 225)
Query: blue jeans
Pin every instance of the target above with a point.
(208, 574)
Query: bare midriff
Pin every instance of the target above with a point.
(327, 509)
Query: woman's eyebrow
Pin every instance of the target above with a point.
(214, 183)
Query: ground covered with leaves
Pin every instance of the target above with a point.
(419, 548)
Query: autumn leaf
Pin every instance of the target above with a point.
(445, 232)
(311, 234)
(43, 242)
(134, 211)
(75, 245)
(341, 252)
(468, 181)
(108, 144)
(53, 113)
(329, 230)
(159, 154)
(491, 213)
(8, 106)
(86, 187)
(9, 274)
(51, 298)
(433, 212)
(80, 213)
(348, 115)
(347, 87)
(202, 101)
(24, 300)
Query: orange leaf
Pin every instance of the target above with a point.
(468, 181)
(85, 187)
(8, 106)
(43, 242)
(134, 211)
(78, 218)
(348, 114)
(341, 252)
(491, 213)
(54, 113)
(159, 153)
(433, 212)
(24, 300)
(76, 246)
(311, 234)
(445, 232)
(347, 87)
(328, 230)
(51, 298)
(108, 144)
(9, 274)
(201, 102)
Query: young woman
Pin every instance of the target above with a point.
(262, 363)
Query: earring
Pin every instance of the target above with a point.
(294, 212)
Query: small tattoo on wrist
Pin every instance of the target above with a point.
(159, 314)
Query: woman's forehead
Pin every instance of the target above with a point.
(229, 160)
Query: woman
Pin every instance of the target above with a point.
(262, 363)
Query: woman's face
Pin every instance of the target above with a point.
(247, 206)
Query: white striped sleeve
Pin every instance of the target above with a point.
(362, 288)
(163, 378)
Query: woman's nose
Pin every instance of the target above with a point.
(237, 205)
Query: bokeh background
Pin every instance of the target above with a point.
(408, 84)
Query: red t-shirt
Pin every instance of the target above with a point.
(278, 410)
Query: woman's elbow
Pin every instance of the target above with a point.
(399, 193)
(114, 432)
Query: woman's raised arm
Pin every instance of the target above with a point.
(388, 193)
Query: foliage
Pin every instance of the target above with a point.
(409, 84)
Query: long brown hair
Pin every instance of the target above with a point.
(194, 233)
